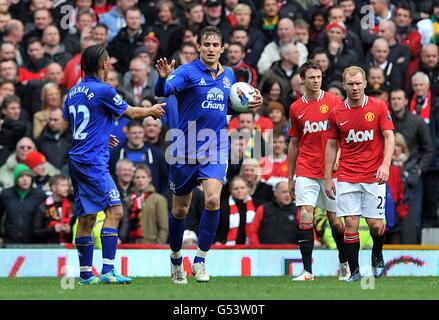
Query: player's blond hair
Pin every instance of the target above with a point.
(352, 71)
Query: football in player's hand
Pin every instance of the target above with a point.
(241, 94)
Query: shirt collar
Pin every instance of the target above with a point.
(320, 97)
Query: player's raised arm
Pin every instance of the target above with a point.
(134, 113)
(164, 69)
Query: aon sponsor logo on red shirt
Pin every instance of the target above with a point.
(313, 127)
(359, 136)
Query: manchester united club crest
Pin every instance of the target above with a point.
(226, 82)
(324, 108)
(370, 116)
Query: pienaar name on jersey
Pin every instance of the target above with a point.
(83, 89)
(359, 136)
(313, 127)
(214, 100)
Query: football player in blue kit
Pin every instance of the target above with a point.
(90, 108)
(200, 150)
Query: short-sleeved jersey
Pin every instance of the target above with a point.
(309, 123)
(202, 99)
(91, 107)
(359, 131)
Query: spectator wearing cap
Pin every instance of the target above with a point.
(128, 39)
(341, 55)
(41, 169)
(213, 10)
(23, 147)
(55, 140)
(18, 206)
(166, 23)
(352, 41)
(152, 44)
(115, 19)
(379, 57)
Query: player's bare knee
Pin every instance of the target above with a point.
(115, 213)
(375, 229)
(181, 211)
(86, 223)
(306, 214)
(212, 202)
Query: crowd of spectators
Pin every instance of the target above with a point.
(266, 41)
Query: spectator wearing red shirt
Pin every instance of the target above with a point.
(409, 36)
(36, 67)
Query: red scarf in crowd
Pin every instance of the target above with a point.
(234, 220)
(425, 110)
(136, 214)
(56, 216)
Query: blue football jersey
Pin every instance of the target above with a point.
(91, 107)
(202, 99)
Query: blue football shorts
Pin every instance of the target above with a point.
(94, 188)
(184, 177)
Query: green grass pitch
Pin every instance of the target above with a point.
(226, 288)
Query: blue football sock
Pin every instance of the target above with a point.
(207, 230)
(109, 237)
(85, 252)
(176, 230)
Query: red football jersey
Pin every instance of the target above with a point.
(359, 131)
(273, 170)
(309, 123)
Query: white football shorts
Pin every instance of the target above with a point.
(361, 199)
(311, 192)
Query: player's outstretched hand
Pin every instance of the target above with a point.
(164, 68)
(382, 174)
(330, 188)
(157, 110)
(257, 100)
(113, 142)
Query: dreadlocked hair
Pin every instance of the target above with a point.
(92, 59)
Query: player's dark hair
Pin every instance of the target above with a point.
(92, 60)
(210, 31)
(308, 66)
